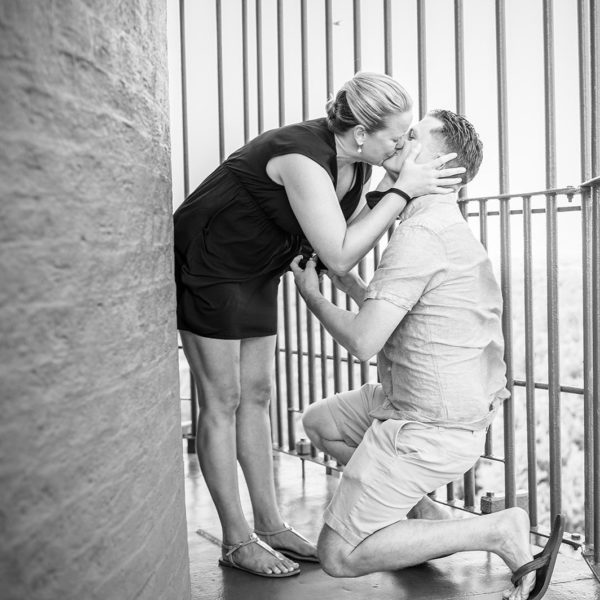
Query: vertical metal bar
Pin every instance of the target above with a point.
(337, 359)
(191, 443)
(459, 56)
(506, 285)
(585, 100)
(549, 101)
(259, 68)
(309, 317)
(595, 143)
(329, 87)
(220, 80)
(364, 365)
(280, 63)
(502, 94)
(422, 57)
(583, 22)
(329, 46)
(509, 437)
(245, 70)
(289, 384)
(553, 357)
(191, 446)
(588, 364)
(357, 36)
(184, 111)
(459, 66)
(387, 35)
(300, 352)
(483, 229)
(529, 362)
(304, 50)
(596, 364)
(450, 494)
(349, 357)
(310, 342)
(323, 340)
(469, 484)
(483, 238)
(551, 265)
(278, 396)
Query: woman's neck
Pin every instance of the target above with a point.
(345, 149)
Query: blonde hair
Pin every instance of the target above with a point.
(367, 99)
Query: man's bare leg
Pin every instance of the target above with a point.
(325, 435)
(411, 542)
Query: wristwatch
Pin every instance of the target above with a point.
(374, 197)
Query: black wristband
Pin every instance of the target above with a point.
(374, 197)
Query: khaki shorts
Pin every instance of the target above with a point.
(394, 465)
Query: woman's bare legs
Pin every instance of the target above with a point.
(216, 368)
(254, 450)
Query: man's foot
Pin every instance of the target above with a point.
(289, 542)
(512, 545)
(429, 509)
(254, 556)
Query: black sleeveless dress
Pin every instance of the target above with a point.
(236, 234)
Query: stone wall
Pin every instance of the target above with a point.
(91, 478)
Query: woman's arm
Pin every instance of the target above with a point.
(312, 197)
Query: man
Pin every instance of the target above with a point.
(433, 312)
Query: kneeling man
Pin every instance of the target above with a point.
(433, 312)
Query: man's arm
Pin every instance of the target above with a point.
(364, 333)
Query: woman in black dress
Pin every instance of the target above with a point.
(297, 187)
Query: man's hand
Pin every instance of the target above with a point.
(307, 280)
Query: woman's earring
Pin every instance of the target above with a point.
(359, 148)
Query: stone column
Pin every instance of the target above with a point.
(91, 476)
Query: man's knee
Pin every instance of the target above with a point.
(334, 554)
(312, 421)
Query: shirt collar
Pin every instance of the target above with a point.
(427, 202)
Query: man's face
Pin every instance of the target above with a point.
(431, 143)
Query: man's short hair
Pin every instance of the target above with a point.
(460, 136)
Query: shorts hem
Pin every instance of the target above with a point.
(341, 529)
(339, 423)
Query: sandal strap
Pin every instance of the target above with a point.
(534, 565)
(253, 539)
(286, 527)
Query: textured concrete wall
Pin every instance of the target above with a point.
(91, 482)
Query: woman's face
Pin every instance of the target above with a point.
(384, 143)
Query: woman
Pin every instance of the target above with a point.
(235, 235)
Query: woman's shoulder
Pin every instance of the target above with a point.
(310, 138)
(312, 135)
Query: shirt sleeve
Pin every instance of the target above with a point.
(412, 263)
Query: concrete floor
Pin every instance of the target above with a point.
(467, 575)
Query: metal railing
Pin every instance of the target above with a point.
(310, 365)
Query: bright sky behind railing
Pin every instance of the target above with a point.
(525, 79)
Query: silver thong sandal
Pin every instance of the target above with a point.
(228, 561)
(286, 551)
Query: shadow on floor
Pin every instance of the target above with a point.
(466, 575)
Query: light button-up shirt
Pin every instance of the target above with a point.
(443, 364)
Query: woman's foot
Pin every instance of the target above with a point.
(287, 540)
(512, 545)
(254, 556)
